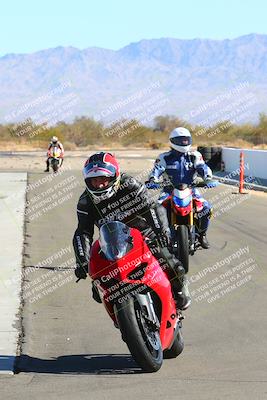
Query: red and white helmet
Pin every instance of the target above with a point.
(102, 164)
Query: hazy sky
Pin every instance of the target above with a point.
(31, 25)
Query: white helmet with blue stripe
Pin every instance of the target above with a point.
(180, 140)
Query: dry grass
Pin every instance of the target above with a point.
(12, 146)
(152, 145)
(239, 143)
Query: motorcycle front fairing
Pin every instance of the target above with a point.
(179, 199)
(131, 270)
(182, 201)
(55, 153)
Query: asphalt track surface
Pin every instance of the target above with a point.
(70, 349)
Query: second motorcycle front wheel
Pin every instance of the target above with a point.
(143, 342)
(183, 246)
(55, 165)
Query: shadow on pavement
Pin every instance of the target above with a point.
(90, 364)
(6, 363)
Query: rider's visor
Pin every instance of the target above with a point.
(181, 140)
(93, 170)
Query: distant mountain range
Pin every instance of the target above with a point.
(200, 80)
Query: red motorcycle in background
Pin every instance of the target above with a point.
(183, 210)
(137, 295)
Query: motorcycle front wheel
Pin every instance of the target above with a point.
(183, 246)
(177, 347)
(143, 342)
(55, 165)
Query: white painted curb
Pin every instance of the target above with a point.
(12, 206)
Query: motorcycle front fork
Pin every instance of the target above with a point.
(192, 233)
(194, 243)
(192, 239)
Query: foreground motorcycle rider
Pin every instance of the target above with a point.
(54, 143)
(180, 165)
(110, 195)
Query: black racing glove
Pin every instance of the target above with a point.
(158, 221)
(95, 293)
(152, 239)
(81, 272)
(163, 240)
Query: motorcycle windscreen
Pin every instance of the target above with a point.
(115, 240)
(182, 198)
(56, 152)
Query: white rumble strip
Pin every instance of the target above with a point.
(12, 206)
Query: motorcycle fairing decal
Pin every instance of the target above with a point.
(198, 205)
(164, 198)
(182, 210)
(198, 200)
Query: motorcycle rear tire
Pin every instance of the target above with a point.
(135, 338)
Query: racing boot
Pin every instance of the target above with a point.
(182, 296)
(95, 294)
(204, 241)
(47, 166)
(176, 274)
(180, 288)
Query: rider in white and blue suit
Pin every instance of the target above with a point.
(181, 166)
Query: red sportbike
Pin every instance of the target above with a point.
(137, 295)
(183, 208)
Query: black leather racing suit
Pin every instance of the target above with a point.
(131, 205)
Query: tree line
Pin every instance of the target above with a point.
(85, 131)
